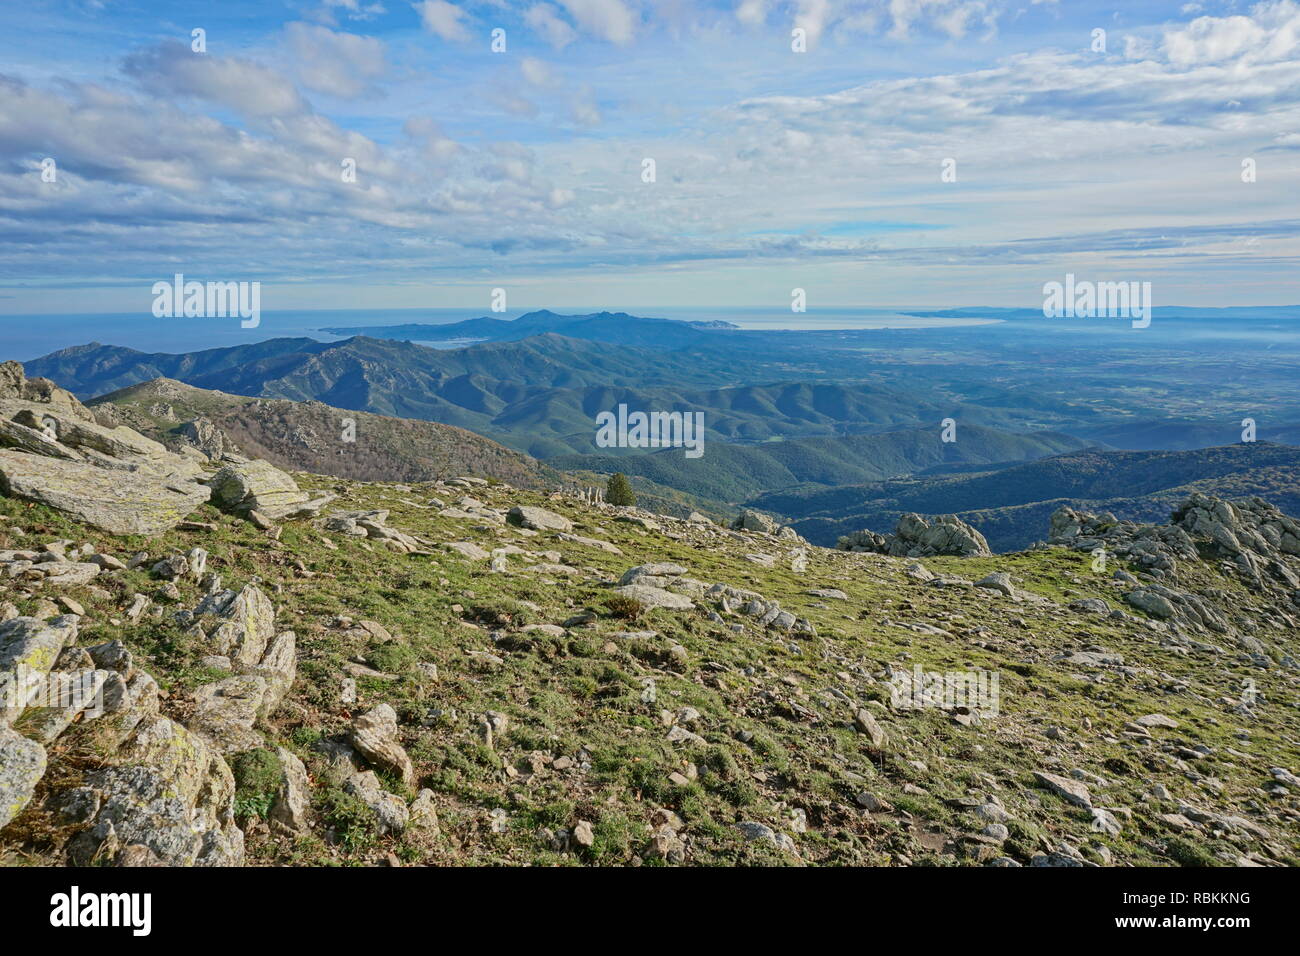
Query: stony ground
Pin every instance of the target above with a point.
(504, 701)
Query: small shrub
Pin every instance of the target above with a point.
(1185, 853)
(501, 612)
(393, 657)
(624, 607)
(257, 782)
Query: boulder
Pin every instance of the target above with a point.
(245, 623)
(374, 735)
(467, 549)
(241, 487)
(538, 519)
(916, 537)
(998, 581)
(166, 788)
(226, 710)
(291, 812)
(113, 500)
(651, 596)
(29, 648)
(655, 574)
(22, 764)
(391, 814)
(35, 441)
(19, 393)
(865, 723)
(203, 435)
(1072, 791)
(755, 521)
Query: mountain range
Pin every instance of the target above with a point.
(833, 431)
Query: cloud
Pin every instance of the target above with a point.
(429, 137)
(608, 19)
(340, 64)
(353, 9)
(443, 19)
(585, 110)
(752, 13)
(951, 17)
(546, 21)
(248, 88)
(537, 72)
(812, 16)
(192, 158)
(1269, 34)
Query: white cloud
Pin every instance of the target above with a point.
(752, 13)
(443, 19)
(248, 88)
(340, 64)
(545, 20)
(431, 140)
(952, 17)
(1270, 33)
(812, 16)
(537, 72)
(353, 9)
(585, 110)
(608, 19)
(1054, 152)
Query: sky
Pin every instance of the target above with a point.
(873, 153)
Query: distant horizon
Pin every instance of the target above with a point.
(143, 332)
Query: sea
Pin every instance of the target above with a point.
(25, 337)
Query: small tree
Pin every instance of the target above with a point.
(619, 490)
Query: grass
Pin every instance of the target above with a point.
(773, 711)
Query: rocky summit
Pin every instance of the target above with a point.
(239, 666)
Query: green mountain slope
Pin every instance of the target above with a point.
(1009, 505)
(733, 473)
(311, 435)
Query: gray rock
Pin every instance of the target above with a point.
(117, 501)
(752, 831)
(656, 597)
(915, 537)
(226, 710)
(22, 764)
(424, 813)
(1157, 720)
(375, 736)
(538, 519)
(755, 521)
(241, 487)
(245, 623)
(660, 570)
(865, 723)
(291, 812)
(391, 814)
(169, 790)
(997, 581)
(1071, 790)
(467, 549)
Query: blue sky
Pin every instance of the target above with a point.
(522, 169)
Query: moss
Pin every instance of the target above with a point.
(1186, 853)
(258, 776)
